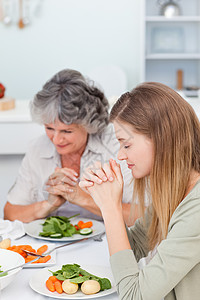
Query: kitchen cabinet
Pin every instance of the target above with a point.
(171, 44)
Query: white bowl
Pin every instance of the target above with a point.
(9, 259)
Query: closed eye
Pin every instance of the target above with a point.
(66, 131)
(49, 128)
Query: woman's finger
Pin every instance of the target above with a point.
(98, 170)
(89, 175)
(61, 180)
(104, 172)
(85, 184)
(117, 170)
(69, 172)
(100, 173)
(57, 177)
(108, 172)
(60, 189)
(64, 172)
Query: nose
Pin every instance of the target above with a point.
(57, 138)
(121, 154)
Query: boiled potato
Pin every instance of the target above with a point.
(4, 244)
(69, 287)
(90, 287)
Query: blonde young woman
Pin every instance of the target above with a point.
(159, 135)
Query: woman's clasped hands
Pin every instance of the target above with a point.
(104, 183)
(63, 183)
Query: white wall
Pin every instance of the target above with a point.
(78, 34)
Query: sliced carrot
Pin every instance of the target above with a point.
(28, 248)
(42, 249)
(50, 285)
(80, 223)
(19, 249)
(42, 259)
(87, 225)
(58, 287)
(22, 253)
(10, 248)
(29, 258)
(53, 278)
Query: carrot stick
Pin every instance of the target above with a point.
(29, 258)
(42, 249)
(58, 287)
(27, 247)
(42, 259)
(50, 285)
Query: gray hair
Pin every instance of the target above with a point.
(71, 98)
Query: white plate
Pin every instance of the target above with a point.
(35, 227)
(37, 282)
(51, 262)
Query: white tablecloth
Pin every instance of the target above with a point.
(88, 252)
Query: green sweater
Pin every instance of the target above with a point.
(174, 271)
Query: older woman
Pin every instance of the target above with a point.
(75, 116)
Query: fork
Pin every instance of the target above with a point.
(51, 250)
(98, 238)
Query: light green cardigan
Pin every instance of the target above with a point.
(174, 271)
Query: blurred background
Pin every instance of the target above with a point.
(77, 34)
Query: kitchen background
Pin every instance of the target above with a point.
(79, 34)
(108, 36)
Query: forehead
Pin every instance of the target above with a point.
(59, 125)
(123, 130)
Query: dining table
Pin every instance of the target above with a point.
(87, 252)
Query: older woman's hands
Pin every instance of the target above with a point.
(63, 176)
(104, 184)
(55, 201)
(64, 183)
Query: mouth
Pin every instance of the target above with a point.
(130, 166)
(62, 146)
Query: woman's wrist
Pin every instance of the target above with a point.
(115, 229)
(110, 208)
(43, 209)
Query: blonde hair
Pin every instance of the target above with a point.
(161, 114)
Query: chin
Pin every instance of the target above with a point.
(139, 175)
(136, 176)
(62, 151)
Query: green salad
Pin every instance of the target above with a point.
(58, 227)
(77, 275)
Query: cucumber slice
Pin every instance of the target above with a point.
(56, 235)
(85, 231)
